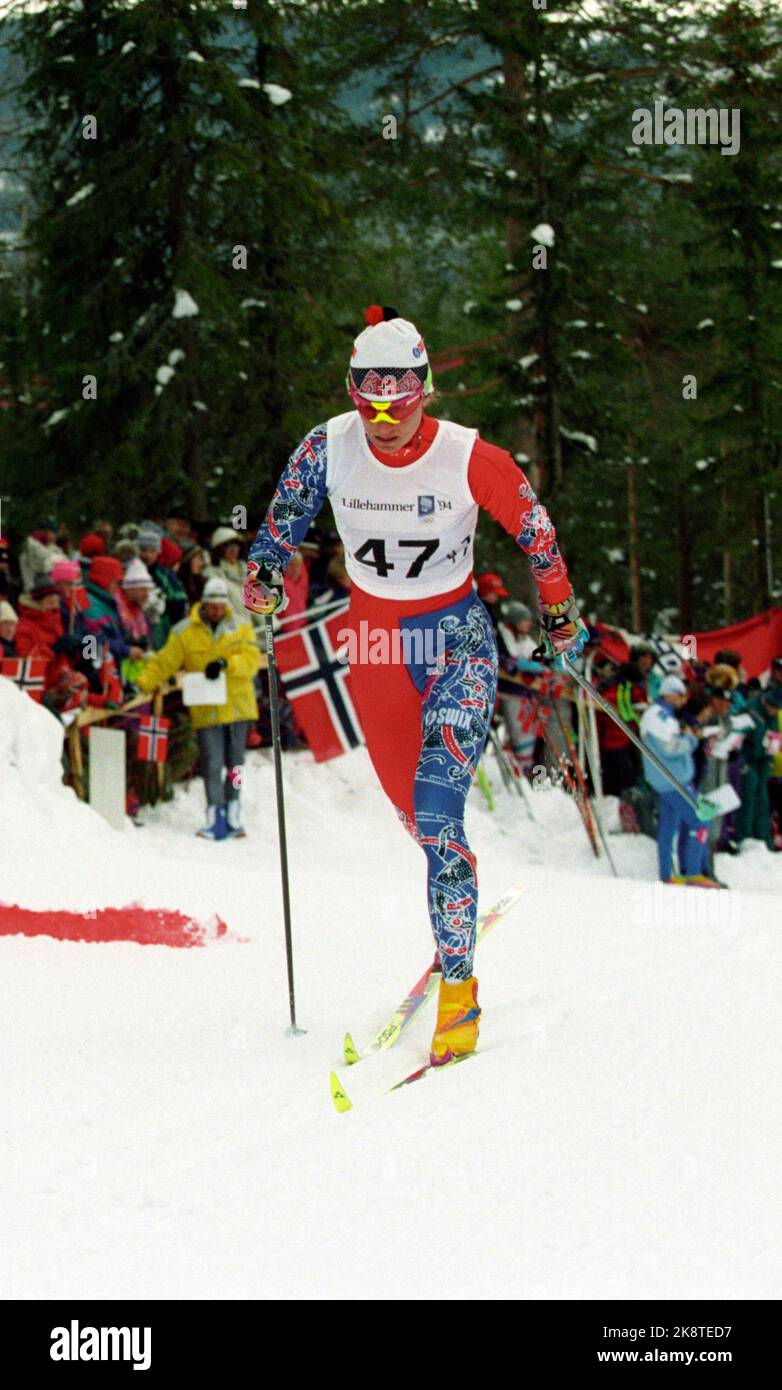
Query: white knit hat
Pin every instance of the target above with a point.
(389, 358)
(223, 535)
(7, 614)
(672, 685)
(137, 576)
(215, 589)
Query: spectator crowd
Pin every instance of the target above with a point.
(115, 613)
(708, 723)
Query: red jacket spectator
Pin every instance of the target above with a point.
(40, 625)
(40, 633)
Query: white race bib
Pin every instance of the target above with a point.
(408, 532)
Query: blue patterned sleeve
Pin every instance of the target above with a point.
(298, 497)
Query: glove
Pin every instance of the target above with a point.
(563, 632)
(155, 605)
(214, 668)
(263, 591)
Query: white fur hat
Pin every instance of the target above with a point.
(215, 590)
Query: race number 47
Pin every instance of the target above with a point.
(373, 553)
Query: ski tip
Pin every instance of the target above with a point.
(351, 1051)
(339, 1099)
(430, 1068)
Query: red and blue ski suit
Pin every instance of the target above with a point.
(425, 723)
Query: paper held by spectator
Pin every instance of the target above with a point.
(722, 748)
(726, 798)
(741, 721)
(197, 689)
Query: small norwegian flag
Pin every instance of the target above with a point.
(27, 672)
(317, 683)
(111, 685)
(152, 745)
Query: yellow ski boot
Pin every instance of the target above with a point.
(458, 1013)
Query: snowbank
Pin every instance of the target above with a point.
(39, 815)
(619, 1134)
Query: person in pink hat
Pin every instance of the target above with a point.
(67, 579)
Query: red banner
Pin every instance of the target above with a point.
(757, 640)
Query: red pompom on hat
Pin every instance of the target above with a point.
(379, 313)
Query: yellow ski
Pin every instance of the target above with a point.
(341, 1101)
(424, 988)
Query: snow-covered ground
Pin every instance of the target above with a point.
(617, 1136)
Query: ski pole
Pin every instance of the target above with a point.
(274, 703)
(704, 809)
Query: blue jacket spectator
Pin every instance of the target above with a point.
(660, 730)
(661, 733)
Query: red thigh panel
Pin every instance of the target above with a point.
(389, 707)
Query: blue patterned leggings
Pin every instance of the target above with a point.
(426, 719)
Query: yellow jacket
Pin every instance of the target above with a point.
(191, 645)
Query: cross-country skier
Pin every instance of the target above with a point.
(405, 490)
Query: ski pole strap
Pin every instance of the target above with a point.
(704, 809)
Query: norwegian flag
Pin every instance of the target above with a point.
(152, 744)
(317, 683)
(27, 672)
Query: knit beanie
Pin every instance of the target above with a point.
(42, 586)
(170, 553)
(224, 535)
(104, 570)
(149, 536)
(389, 358)
(137, 576)
(7, 614)
(215, 590)
(66, 572)
(125, 550)
(672, 685)
(91, 545)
